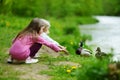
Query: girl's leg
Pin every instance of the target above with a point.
(34, 49)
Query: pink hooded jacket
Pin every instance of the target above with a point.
(20, 48)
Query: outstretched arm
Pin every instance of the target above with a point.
(53, 46)
(46, 37)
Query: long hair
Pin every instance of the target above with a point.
(33, 28)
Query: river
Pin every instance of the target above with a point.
(105, 33)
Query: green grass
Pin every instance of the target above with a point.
(7, 72)
(66, 32)
(87, 68)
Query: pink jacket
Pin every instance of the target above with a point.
(20, 48)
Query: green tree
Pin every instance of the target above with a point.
(5, 6)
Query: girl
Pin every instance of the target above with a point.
(28, 42)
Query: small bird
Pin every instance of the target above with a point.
(83, 52)
(99, 54)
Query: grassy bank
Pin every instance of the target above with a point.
(67, 29)
(66, 32)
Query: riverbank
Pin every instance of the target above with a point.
(66, 28)
(54, 67)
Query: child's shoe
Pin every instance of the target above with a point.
(31, 60)
(9, 60)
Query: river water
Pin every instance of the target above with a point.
(105, 34)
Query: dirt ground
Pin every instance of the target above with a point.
(32, 71)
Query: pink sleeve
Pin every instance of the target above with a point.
(47, 43)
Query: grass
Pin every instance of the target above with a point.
(87, 68)
(66, 32)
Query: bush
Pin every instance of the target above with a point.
(95, 70)
(59, 9)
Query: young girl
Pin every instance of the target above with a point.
(28, 42)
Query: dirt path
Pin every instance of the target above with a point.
(32, 71)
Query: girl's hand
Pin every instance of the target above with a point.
(65, 51)
(62, 47)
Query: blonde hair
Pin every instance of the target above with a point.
(47, 23)
(34, 27)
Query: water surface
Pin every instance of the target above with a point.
(105, 34)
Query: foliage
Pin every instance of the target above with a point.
(8, 74)
(61, 72)
(111, 7)
(95, 70)
(88, 68)
(6, 6)
(67, 29)
(11, 25)
(59, 9)
(65, 16)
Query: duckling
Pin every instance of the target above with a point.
(99, 54)
(83, 52)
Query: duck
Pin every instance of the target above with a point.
(99, 54)
(82, 51)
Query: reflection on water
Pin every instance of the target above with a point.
(105, 34)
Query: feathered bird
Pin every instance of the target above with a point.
(83, 52)
(99, 53)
